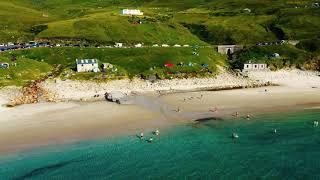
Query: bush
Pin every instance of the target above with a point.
(38, 28)
(311, 45)
(213, 35)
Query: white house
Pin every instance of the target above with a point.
(155, 45)
(118, 45)
(135, 12)
(186, 45)
(164, 45)
(87, 65)
(254, 67)
(177, 45)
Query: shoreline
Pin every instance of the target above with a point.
(63, 123)
(34, 125)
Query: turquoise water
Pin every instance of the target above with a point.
(192, 151)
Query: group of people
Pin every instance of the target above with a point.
(156, 132)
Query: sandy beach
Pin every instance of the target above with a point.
(35, 125)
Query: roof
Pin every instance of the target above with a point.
(230, 45)
(86, 61)
(255, 63)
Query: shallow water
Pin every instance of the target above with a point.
(192, 151)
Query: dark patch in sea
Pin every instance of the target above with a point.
(45, 169)
(203, 120)
(206, 122)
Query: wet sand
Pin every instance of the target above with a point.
(31, 126)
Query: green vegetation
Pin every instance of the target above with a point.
(193, 22)
(290, 56)
(139, 62)
(25, 71)
(213, 21)
(311, 45)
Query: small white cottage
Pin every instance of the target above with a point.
(254, 67)
(87, 65)
(134, 12)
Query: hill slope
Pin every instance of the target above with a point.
(213, 21)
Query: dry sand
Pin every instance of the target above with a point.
(41, 124)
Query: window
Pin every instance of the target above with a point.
(255, 66)
(247, 66)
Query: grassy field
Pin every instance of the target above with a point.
(110, 28)
(137, 62)
(290, 56)
(193, 22)
(25, 71)
(214, 21)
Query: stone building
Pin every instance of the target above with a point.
(229, 49)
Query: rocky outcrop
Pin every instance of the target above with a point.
(31, 94)
(115, 96)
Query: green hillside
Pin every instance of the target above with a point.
(192, 22)
(138, 62)
(174, 21)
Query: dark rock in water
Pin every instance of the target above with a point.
(208, 119)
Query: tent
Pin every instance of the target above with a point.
(169, 65)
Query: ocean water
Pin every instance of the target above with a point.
(203, 150)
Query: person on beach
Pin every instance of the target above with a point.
(215, 109)
(315, 123)
(157, 132)
(150, 140)
(248, 116)
(178, 109)
(141, 135)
